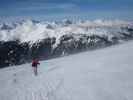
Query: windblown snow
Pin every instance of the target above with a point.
(104, 74)
(32, 31)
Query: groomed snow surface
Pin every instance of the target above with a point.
(104, 74)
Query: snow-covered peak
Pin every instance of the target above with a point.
(105, 23)
(67, 22)
(32, 31)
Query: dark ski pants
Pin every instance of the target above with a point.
(35, 70)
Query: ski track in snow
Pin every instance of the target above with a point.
(104, 74)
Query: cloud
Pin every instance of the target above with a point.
(47, 6)
(66, 7)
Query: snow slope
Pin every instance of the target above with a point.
(104, 74)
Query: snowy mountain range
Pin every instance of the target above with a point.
(31, 30)
(22, 41)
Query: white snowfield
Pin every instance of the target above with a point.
(104, 74)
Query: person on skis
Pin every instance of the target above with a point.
(35, 64)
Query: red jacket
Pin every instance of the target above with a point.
(35, 63)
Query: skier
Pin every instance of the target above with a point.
(35, 63)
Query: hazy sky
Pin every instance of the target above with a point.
(56, 9)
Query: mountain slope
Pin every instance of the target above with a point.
(22, 41)
(104, 74)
